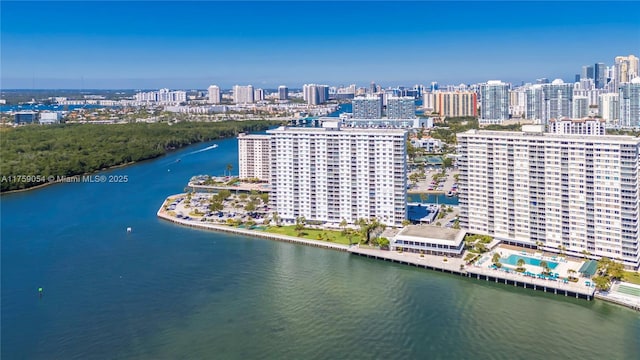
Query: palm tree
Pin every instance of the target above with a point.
(585, 253)
(545, 266)
(229, 168)
(539, 246)
(343, 225)
(496, 258)
(520, 262)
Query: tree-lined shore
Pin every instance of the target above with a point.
(31, 154)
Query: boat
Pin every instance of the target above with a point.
(214, 146)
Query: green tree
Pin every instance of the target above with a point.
(251, 206)
(520, 262)
(406, 222)
(495, 258)
(216, 205)
(545, 266)
(300, 223)
(383, 242)
(343, 225)
(602, 283)
(276, 218)
(447, 162)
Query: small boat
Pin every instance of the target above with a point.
(214, 146)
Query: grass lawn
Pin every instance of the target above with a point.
(632, 277)
(312, 234)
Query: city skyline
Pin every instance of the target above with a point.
(195, 44)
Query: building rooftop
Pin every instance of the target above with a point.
(430, 231)
(385, 131)
(562, 137)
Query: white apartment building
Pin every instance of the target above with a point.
(401, 107)
(243, 94)
(585, 126)
(579, 192)
(369, 107)
(329, 174)
(214, 94)
(609, 108)
(254, 156)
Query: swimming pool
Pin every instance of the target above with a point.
(513, 260)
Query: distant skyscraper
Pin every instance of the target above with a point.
(434, 86)
(609, 108)
(258, 95)
(401, 107)
(580, 107)
(577, 78)
(315, 94)
(243, 94)
(600, 75)
(214, 94)
(283, 92)
(454, 103)
(542, 81)
(369, 107)
(587, 72)
(534, 109)
(629, 98)
(626, 69)
(373, 88)
(494, 102)
(558, 100)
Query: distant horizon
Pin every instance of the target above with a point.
(192, 45)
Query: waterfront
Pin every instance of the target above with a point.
(166, 291)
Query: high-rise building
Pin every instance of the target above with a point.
(494, 102)
(558, 100)
(579, 192)
(283, 92)
(254, 155)
(587, 72)
(600, 75)
(534, 109)
(580, 107)
(243, 94)
(626, 68)
(315, 94)
(454, 103)
(401, 107)
(162, 96)
(214, 94)
(609, 108)
(258, 95)
(369, 107)
(329, 174)
(629, 100)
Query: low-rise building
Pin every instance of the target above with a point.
(430, 240)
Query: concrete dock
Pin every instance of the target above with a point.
(457, 266)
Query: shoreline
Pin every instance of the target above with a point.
(436, 264)
(40, 186)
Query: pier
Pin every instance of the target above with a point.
(457, 266)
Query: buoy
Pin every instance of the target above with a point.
(129, 230)
(40, 291)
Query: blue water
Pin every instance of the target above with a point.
(513, 260)
(433, 199)
(168, 292)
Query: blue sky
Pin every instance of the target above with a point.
(153, 44)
